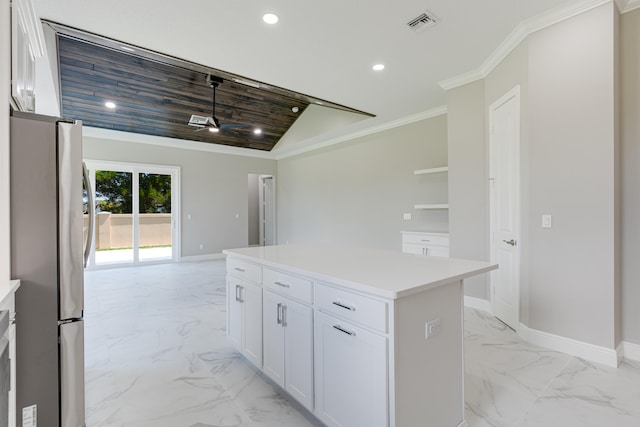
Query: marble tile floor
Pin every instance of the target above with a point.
(156, 355)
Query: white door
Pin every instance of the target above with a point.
(273, 337)
(504, 148)
(268, 212)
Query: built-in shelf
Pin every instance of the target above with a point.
(432, 206)
(431, 170)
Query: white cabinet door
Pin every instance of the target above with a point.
(252, 323)
(273, 331)
(298, 326)
(288, 346)
(351, 374)
(234, 311)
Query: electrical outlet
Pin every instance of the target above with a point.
(201, 246)
(406, 216)
(432, 328)
(547, 221)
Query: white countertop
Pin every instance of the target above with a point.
(8, 288)
(382, 273)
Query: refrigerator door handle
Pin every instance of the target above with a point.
(90, 211)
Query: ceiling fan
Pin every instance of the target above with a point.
(212, 123)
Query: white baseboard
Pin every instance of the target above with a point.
(594, 353)
(206, 257)
(478, 304)
(630, 351)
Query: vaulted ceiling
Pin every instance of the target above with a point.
(322, 49)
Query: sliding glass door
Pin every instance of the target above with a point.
(136, 213)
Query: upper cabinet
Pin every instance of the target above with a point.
(27, 44)
(440, 170)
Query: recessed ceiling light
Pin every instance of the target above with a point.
(214, 130)
(110, 104)
(257, 131)
(378, 67)
(270, 18)
(295, 109)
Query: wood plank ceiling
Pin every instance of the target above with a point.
(155, 96)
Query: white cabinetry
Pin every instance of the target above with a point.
(244, 310)
(422, 243)
(288, 345)
(351, 374)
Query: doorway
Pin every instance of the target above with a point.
(137, 213)
(262, 210)
(504, 178)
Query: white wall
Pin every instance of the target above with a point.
(5, 82)
(253, 219)
(468, 180)
(630, 127)
(213, 189)
(355, 193)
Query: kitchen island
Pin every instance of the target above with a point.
(359, 337)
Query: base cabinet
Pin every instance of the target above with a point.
(351, 374)
(288, 346)
(244, 326)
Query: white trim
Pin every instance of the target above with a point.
(630, 351)
(524, 29)
(595, 353)
(207, 257)
(162, 141)
(32, 26)
(479, 304)
(434, 112)
(629, 6)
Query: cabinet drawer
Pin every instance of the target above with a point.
(244, 270)
(354, 307)
(426, 239)
(285, 284)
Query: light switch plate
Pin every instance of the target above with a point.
(431, 328)
(547, 221)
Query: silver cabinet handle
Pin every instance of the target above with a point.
(348, 307)
(510, 242)
(239, 293)
(279, 314)
(284, 316)
(345, 331)
(241, 270)
(284, 285)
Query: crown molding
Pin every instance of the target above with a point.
(517, 36)
(628, 5)
(434, 112)
(162, 141)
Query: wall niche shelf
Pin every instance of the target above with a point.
(432, 206)
(430, 170)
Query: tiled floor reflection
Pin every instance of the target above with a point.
(157, 355)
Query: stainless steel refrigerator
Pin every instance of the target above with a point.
(48, 255)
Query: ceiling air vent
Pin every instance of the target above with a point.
(422, 22)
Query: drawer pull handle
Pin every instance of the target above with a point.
(241, 270)
(348, 307)
(341, 329)
(279, 316)
(284, 285)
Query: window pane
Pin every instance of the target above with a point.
(155, 216)
(114, 217)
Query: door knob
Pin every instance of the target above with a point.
(510, 242)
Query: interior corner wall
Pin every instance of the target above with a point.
(468, 180)
(213, 189)
(572, 177)
(630, 159)
(355, 193)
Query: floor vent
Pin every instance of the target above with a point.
(422, 22)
